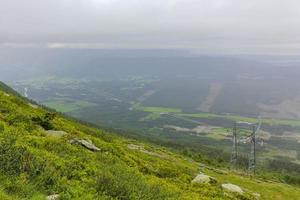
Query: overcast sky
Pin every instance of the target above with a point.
(207, 26)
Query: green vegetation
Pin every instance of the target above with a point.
(177, 111)
(266, 189)
(138, 106)
(248, 119)
(42, 81)
(151, 116)
(34, 163)
(217, 133)
(66, 104)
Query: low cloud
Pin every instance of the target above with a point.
(214, 26)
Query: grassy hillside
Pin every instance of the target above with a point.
(42, 153)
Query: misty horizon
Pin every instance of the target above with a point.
(204, 26)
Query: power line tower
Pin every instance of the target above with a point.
(252, 138)
(252, 156)
(233, 158)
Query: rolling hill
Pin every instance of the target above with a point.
(45, 155)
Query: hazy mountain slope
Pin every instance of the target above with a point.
(249, 85)
(43, 153)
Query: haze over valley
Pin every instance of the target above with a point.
(149, 100)
(172, 96)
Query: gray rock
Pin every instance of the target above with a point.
(202, 178)
(232, 188)
(52, 197)
(85, 143)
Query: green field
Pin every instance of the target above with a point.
(66, 104)
(151, 116)
(138, 106)
(178, 112)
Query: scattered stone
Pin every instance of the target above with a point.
(232, 188)
(256, 195)
(134, 147)
(56, 133)
(85, 143)
(142, 149)
(52, 197)
(219, 171)
(202, 178)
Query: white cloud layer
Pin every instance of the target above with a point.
(212, 26)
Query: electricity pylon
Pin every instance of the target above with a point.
(252, 138)
(233, 158)
(252, 156)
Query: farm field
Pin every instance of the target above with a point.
(67, 104)
(177, 111)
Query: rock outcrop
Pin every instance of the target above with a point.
(232, 188)
(85, 143)
(202, 178)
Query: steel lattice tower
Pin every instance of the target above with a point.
(252, 157)
(252, 139)
(234, 145)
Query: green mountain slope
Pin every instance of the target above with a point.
(43, 153)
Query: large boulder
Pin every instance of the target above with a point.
(202, 178)
(232, 188)
(85, 143)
